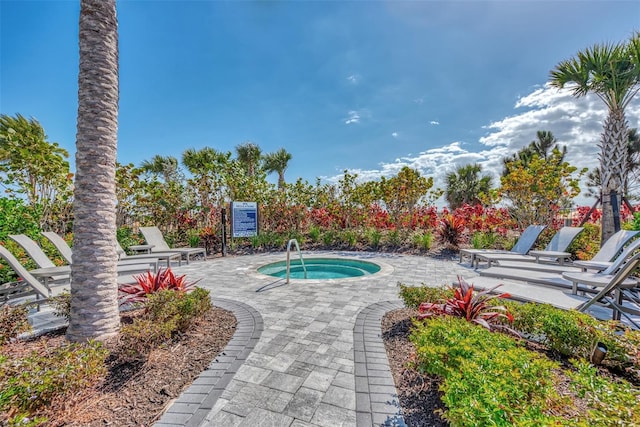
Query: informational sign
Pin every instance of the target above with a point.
(244, 219)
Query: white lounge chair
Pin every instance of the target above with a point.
(613, 289)
(567, 279)
(524, 244)
(600, 261)
(124, 259)
(51, 273)
(555, 251)
(154, 237)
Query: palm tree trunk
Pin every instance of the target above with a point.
(613, 163)
(94, 287)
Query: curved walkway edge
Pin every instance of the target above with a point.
(195, 403)
(377, 401)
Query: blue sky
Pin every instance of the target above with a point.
(368, 86)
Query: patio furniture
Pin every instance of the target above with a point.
(600, 261)
(124, 259)
(567, 279)
(154, 237)
(27, 279)
(524, 244)
(555, 252)
(49, 272)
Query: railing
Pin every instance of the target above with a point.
(294, 241)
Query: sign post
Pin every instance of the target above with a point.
(244, 219)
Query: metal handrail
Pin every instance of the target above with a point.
(304, 268)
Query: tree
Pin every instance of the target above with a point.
(612, 72)
(465, 185)
(33, 167)
(542, 147)
(94, 284)
(401, 193)
(538, 188)
(277, 162)
(164, 166)
(632, 178)
(249, 155)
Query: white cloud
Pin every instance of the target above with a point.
(354, 79)
(419, 101)
(353, 117)
(394, 134)
(434, 122)
(576, 123)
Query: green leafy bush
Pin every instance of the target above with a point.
(61, 304)
(314, 233)
(413, 296)
(34, 381)
(488, 378)
(13, 321)
(587, 244)
(611, 403)
(374, 237)
(423, 240)
(569, 332)
(166, 313)
(484, 240)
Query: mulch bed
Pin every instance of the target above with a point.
(418, 394)
(136, 393)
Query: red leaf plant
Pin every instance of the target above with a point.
(149, 283)
(470, 305)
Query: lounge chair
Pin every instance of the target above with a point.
(154, 237)
(600, 261)
(524, 244)
(567, 279)
(124, 259)
(553, 253)
(27, 279)
(607, 290)
(51, 273)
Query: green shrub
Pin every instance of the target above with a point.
(571, 333)
(373, 236)
(61, 304)
(611, 403)
(482, 240)
(13, 321)
(328, 237)
(126, 238)
(423, 240)
(413, 296)
(349, 238)
(314, 233)
(393, 238)
(34, 381)
(587, 244)
(488, 378)
(166, 313)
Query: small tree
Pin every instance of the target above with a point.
(466, 185)
(537, 189)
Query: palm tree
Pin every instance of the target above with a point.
(542, 147)
(465, 185)
(277, 162)
(249, 155)
(612, 72)
(165, 166)
(94, 285)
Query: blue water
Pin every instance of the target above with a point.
(321, 268)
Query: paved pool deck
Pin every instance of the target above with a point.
(307, 353)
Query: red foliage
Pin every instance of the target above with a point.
(474, 307)
(149, 283)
